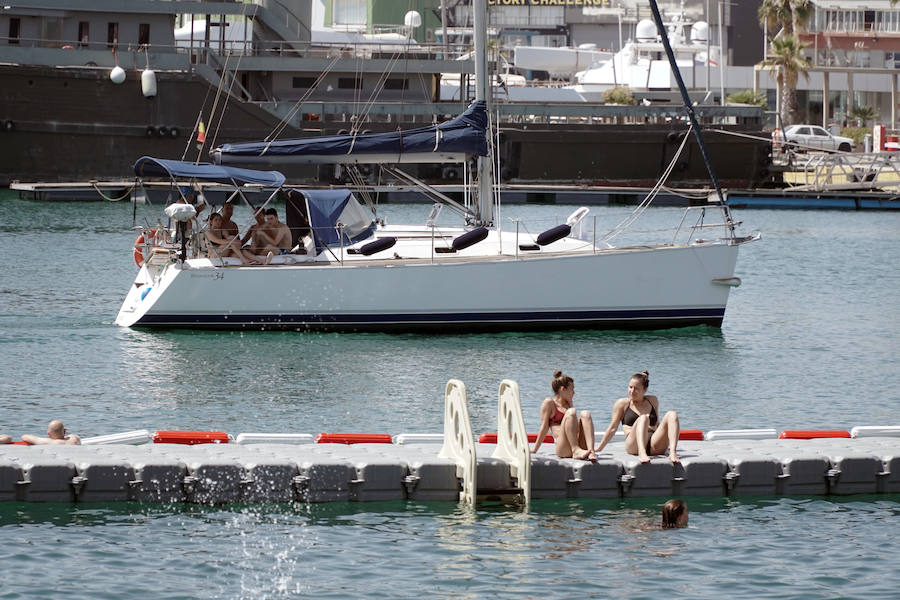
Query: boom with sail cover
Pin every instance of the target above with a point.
(451, 141)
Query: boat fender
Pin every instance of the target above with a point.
(148, 83)
(354, 438)
(470, 238)
(150, 131)
(553, 234)
(162, 131)
(117, 75)
(190, 437)
(377, 246)
(8, 125)
(811, 434)
(152, 239)
(693, 435)
(173, 132)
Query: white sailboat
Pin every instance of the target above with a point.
(349, 272)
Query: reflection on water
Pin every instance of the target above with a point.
(760, 547)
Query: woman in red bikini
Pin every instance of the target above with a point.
(573, 433)
(645, 434)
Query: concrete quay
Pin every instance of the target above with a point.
(265, 472)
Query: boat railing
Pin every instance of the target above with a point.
(727, 224)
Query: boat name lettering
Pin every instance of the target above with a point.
(209, 275)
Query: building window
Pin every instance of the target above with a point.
(349, 12)
(14, 25)
(143, 34)
(84, 33)
(112, 35)
(396, 84)
(302, 82)
(350, 83)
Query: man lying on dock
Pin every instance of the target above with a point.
(56, 434)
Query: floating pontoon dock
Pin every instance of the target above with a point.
(444, 467)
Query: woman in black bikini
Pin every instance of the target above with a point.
(645, 433)
(573, 434)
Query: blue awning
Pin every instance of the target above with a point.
(334, 214)
(465, 134)
(147, 166)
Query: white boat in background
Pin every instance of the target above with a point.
(350, 272)
(640, 65)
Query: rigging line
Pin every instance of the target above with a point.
(379, 86)
(283, 123)
(739, 134)
(639, 210)
(196, 125)
(215, 104)
(228, 97)
(230, 87)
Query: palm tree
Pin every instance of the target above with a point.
(864, 114)
(783, 18)
(789, 63)
(786, 15)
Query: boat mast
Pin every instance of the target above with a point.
(663, 32)
(485, 214)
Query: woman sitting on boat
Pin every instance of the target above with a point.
(645, 433)
(573, 433)
(221, 246)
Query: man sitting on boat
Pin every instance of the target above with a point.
(229, 227)
(56, 435)
(220, 245)
(258, 235)
(280, 233)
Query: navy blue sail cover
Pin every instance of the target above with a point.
(147, 166)
(331, 214)
(465, 133)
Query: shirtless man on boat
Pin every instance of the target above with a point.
(56, 435)
(259, 235)
(279, 231)
(229, 227)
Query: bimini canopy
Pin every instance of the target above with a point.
(450, 141)
(147, 166)
(330, 214)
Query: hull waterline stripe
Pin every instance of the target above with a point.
(569, 318)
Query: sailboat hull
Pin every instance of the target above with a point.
(647, 288)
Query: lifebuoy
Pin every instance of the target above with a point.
(138, 246)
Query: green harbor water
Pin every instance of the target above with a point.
(810, 340)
